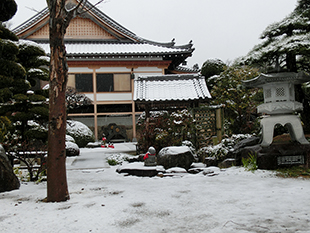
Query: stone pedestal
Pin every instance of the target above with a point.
(279, 155)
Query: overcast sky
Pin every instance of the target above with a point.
(224, 29)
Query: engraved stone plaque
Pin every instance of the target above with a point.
(291, 160)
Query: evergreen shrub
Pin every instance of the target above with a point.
(165, 129)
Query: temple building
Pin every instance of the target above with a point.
(104, 58)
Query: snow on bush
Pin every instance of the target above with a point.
(221, 150)
(69, 139)
(72, 149)
(116, 159)
(80, 132)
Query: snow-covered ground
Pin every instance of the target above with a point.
(102, 200)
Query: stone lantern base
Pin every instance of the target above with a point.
(292, 122)
(277, 155)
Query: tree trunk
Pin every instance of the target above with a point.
(57, 188)
(291, 62)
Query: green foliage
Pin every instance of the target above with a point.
(21, 104)
(165, 129)
(250, 163)
(221, 150)
(5, 125)
(112, 162)
(7, 34)
(240, 103)
(116, 159)
(210, 68)
(9, 50)
(284, 43)
(20, 97)
(31, 155)
(8, 9)
(294, 172)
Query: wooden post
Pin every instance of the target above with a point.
(147, 115)
(218, 114)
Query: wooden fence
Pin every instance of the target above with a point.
(209, 125)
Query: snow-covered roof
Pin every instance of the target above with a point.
(186, 69)
(123, 41)
(185, 87)
(295, 78)
(96, 48)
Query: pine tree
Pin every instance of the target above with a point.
(8, 9)
(33, 105)
(286, 44)
(286, 47)
(21, 65)
(11, 73)
(210, 68)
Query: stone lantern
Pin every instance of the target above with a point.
(279, 105)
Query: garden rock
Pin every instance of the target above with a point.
(210, 161)
(138, 169)
(196, 168)
(242, 145)
(175, 156)
(8, 180)
(267, 157)
(136, 158)
(227, 163)
(246, 152)
(93, 144)
(211, 171)
(80, 132)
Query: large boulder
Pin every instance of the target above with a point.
(175, 156)
(80, 132)
(8, 180)
(242, 146)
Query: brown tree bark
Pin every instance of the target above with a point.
(60, 17)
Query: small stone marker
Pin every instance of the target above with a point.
(150, 157)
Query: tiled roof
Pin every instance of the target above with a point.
(104, 48)
(36, 18)
(187, 69)
(185, 87)
(292, 77)
(91, 9)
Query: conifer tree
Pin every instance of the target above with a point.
(286, 44)
(12, 74)
(286, 47)
(33, 106)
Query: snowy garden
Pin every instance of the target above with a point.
(251, 174)
(214, 200)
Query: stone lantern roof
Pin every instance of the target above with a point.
(288, 77)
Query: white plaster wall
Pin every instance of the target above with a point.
(147, 74)
(91, 96)
(113, 69)
(148, 69)
(79, 69)
(114, 96)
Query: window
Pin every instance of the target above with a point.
(84, 82)
(113, 82)
(114, 108)
(105, 82)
